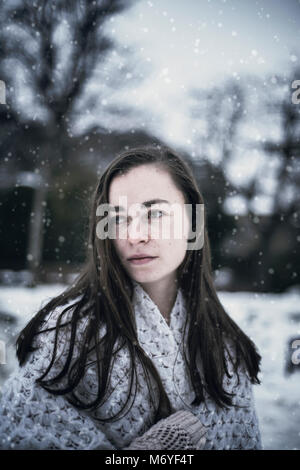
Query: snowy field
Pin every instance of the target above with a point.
(270, 320)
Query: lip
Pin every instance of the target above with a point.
(142, 259)
(141, 255)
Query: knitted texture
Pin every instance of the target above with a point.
(180, 431)
(33, 418)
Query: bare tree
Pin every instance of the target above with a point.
(218, 113)
(49, 52)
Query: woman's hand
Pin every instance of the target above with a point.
(180, 431)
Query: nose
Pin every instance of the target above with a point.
(137, 231)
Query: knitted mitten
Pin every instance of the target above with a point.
(180, 431)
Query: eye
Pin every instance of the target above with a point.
(151, 214)
(118, 219)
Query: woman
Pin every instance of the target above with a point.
(138, 353)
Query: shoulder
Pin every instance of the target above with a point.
(61, 328)
(58, 317)
(239, 381)
(52, 333)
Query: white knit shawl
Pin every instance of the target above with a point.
(30, 417)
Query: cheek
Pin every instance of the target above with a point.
(173, 251)
(179, 227)
(186, 227)
(119, 247)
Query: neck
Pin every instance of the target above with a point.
(163, 293)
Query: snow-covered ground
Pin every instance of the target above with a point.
(270, 320)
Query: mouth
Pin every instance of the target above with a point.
(142, 260)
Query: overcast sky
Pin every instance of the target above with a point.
(199, 40)
(178, 45)
(182, 44)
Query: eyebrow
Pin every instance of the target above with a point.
(146, 203)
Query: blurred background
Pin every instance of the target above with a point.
(217, 80)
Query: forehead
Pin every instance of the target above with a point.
(144, 183)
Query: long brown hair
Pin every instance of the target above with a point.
(106, 290)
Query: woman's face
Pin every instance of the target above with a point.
(150, 230)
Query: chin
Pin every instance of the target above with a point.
(146, 277)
